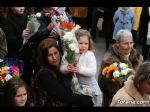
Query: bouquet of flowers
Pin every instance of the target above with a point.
(69, 40)
(6, 73)
(33, 25)
(70, 47)
(117, 72)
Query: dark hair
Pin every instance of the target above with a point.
(142, 73)
(43, 50)
(10, 88)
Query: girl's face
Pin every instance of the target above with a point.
(83, 42)
(53, 56)
(20, 97)
(18, 10)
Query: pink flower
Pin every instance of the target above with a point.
(14, 68)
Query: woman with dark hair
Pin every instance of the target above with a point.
(15, 93)
(136, 91)
(13, 26)
(51, 81)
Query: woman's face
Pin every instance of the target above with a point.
(125, 45)
(145, 87)
(20, 97)
(18, 10)
(83, 44)
(46, 11)
(53, 56)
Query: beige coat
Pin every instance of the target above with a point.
(130, 96)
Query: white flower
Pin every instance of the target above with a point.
(68, 36)
(124, 72)
(1, 60)
(72, 46)
(115, 64)
(128, 70)
(38, 14)
(116, 74)
(8, 76)
(123, 65)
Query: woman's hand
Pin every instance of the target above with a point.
(54, 34)
(25, 32)
(50, 26)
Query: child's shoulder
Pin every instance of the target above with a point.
(90, 53)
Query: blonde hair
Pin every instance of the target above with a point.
(83, 32)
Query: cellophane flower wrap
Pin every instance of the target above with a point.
(33, 25)
(8, 72)
(117, 72)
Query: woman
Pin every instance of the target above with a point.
(13, 27)
(121, 51)
(136, 91)
(51, 81)
(15, 93)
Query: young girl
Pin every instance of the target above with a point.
(85, 69)
(15, 93)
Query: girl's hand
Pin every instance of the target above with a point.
(25, 32)
(76, 68)
(73, 68)
(70, 67)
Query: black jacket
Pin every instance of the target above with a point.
(52, 83)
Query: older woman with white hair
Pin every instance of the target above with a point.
(121, 51)
(136, 91)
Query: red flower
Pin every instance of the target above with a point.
(3, 76)
(70, 25)
(63, 25)
(66, 25)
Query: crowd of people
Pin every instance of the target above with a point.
(47, 78)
